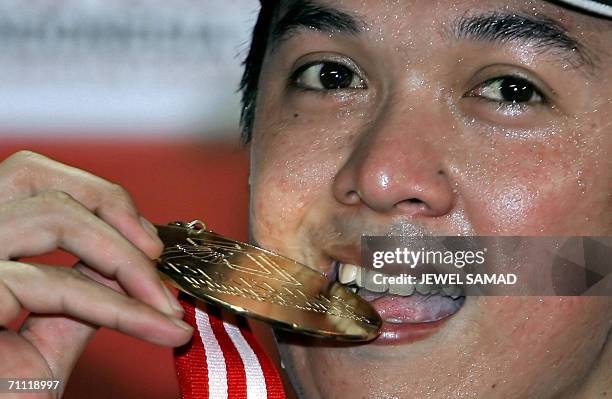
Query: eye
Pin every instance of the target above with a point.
(508, 89)
(327, 75)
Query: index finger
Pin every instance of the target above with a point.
(27, 174)
(43, 223)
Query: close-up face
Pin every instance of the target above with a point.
(418, 117)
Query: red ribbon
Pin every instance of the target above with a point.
(223, 360)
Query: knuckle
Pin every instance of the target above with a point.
(20, 167)
(89, 194)
(120, 196)
(118, 191)
(25, 156)
(23, 161)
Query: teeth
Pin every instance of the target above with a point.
(347, 273)
(423, 289)
(453, 291)
(359, 278)
(370, 285)
(457, 293)
(401, 289)
(355, 276)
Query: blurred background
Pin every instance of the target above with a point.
(143, 93)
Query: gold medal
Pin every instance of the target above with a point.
(257, 283)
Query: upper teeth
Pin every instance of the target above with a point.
(355, 275)
(347, 273)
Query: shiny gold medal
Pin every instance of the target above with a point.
(257, 283)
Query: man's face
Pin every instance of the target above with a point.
(412, 117)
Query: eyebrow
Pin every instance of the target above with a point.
(306, 14)
(544, 34)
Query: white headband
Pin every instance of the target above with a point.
(602, 7)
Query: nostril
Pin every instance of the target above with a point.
(352, 197)
(412, 205)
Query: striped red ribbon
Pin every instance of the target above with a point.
(223, 360)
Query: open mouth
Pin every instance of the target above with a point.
(410, 312)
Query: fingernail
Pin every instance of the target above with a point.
(150, 229)
(180, 323)
(174, 303)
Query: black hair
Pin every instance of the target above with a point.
(253, 65)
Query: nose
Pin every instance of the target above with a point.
(397, 169)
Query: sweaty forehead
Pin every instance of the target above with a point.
(386, 11)
(572, 36)
(425, 15)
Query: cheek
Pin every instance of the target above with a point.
(287, 176)
(513, 205)
(568, 331)
(537, 188)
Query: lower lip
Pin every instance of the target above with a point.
(398, 333)
(406, 333)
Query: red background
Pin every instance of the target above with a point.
(169, 181)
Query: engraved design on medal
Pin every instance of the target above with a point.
(222, 252)
(248, 279)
